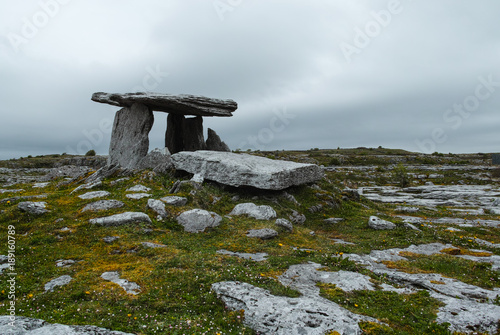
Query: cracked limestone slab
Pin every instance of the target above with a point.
(257, 257)
(93, 195)
(122, 219)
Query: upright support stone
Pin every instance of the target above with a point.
(193, 134)
(173, 137)
(214, 143)
(129, 140)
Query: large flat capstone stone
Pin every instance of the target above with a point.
(246, 170)
(182, 104)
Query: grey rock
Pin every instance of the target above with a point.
(174, 200)
(138, 196)
(214, 143)
(129, 139)
(121, 180)
(263, 234)
(41, 185)
(158, 207)
(269, 314)
(257, 212)
(174, 138)
(4, 259)
(246, 170)
(333, 220)
(129, 287)
(33, 208)
(284, 223)
(122, 219)
(410, 226)
(158, 160)
(197, 220)
(290, 198)
(379, 224)
(257, 257)
(64, 263)
(110, 239)
(28, 326)
(60, 281)
(103, 205)
(138, 188)
(2, 191)
(407, 209)
(153, 245)
(297, 218)
(183, 104)
(88, 186)
(93, 195)
(315, 209)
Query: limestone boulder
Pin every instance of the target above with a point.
(122, 219)
(263, 234)
(103, 205)
(33, 208)
(197, 220)
(60, 281)
(379, 224)
(246, 170)
(158, 160)
(129, 139)
(252, 210)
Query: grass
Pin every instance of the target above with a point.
(176, 281)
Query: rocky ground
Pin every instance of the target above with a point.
(389, 242)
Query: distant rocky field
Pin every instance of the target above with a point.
(388, 242)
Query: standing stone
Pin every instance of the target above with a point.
(193, 134)
(173, 137)
(214, 143)
(129, 140)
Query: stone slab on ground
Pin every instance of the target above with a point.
(103, 205)
(93, 195)
(33, 208)
(122, 219)
(129, 287)
(246, 170)
(60, 281)
(257, 257)
(197, 220)
(263, 212)
(30, 326)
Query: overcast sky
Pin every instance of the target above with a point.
(418, 75)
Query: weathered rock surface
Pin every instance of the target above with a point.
(214, 143)
(138, 188)
(269, 314)
(158, 160)
(93, 195)
(110, 239)
(122, 219)
(246, 170)
(263, 234)
(153, 245)
(103, 205)
(297, 218)
(129, 287)
(257, 212)
(129, 139)
(174, 200)
(33, 208)
(29, 326)
(183, 104)
(87, 186)
(284, 223)
(158, 207)
(60, 281)
(379, 224)
(137, 196)
(197, 220)
(257, 257)
(64, 263)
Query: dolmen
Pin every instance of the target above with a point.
(185, 146)
(130, 136)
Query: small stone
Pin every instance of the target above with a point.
(410, 226)
(257, 212)
(197, 220)
(59, 220)
(312, 233)
(139, 188)
(158, 207)
(138, 196)
(121, 180)
(61, 281)
(129, 287)
(34, 208)
(40, 185)
(257, 257)
(175, 200)
(235, 198)
(65, 263)
(93, 195)
(379, 224)
(110, 239)
(263, 234)
(297, 218)
(333, 220)
(103, 205)
(153, 245)
(315, 209)
(122, 219)
(284, 223)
